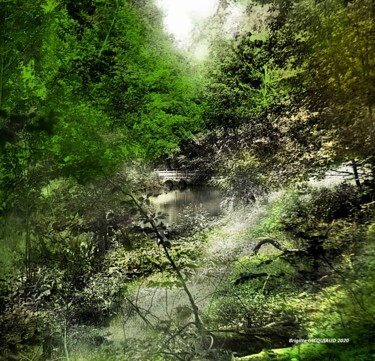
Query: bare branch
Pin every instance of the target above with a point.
(271, 241)
(138, 311)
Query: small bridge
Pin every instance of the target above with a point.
(176, 177)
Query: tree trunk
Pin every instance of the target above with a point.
(356, 175)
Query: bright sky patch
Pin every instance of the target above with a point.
(180, 16)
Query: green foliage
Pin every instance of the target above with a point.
(342, 312)
(308, 210)
(327, 215)
(242, 84)
(83, 147)
(240, 177)
(308, 207)
(247, 302)
(271, 224)
(297, 96)
(332, 43)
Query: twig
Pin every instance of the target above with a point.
(137, 309)
(110, 29)
(265, 283)
(178, 332)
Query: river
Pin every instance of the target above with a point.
(174, 202)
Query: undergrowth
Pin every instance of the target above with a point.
(317, 284)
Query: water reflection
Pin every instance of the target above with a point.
(173, 202)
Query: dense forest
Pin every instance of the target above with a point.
(278, 116)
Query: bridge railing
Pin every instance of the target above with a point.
(175, 173)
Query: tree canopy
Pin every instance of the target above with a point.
(88, 85)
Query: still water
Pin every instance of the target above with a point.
(174, 202)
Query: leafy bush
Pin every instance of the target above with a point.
(253, 296)
(308, 209)
(240, 178)
(346, 310)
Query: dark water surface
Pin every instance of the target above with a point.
(175, 201)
